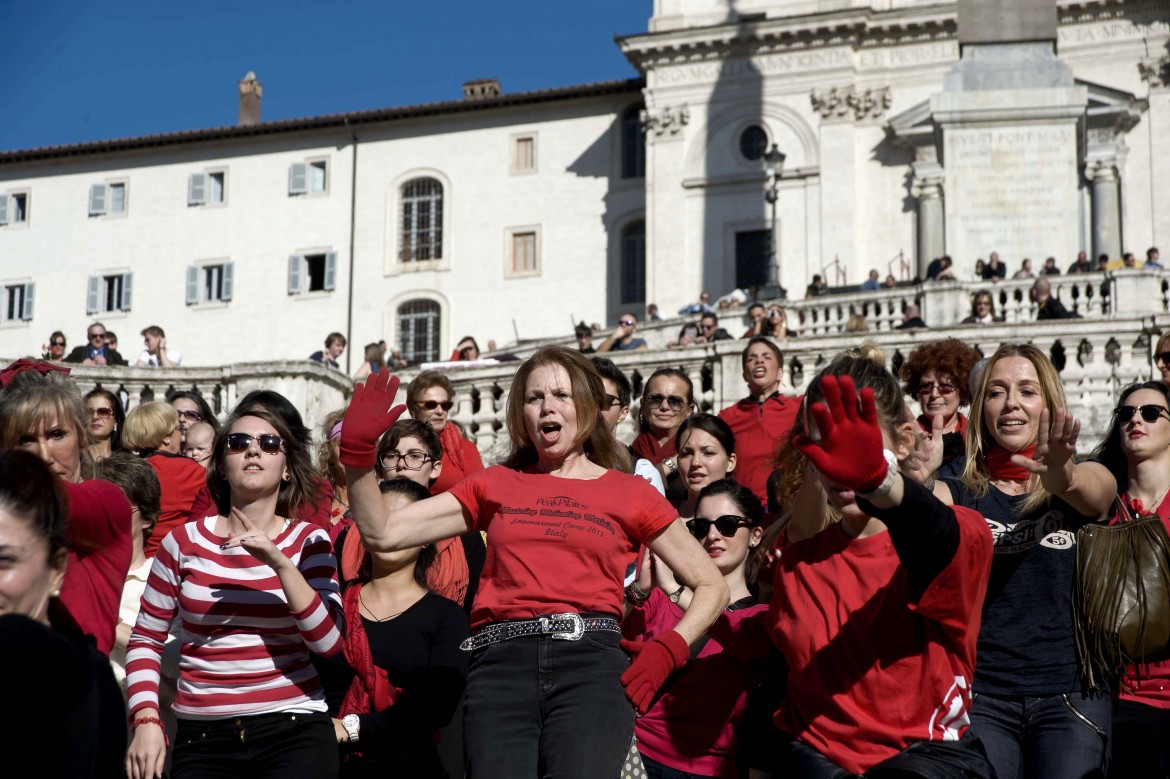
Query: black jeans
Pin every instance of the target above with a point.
(275, 745)
(1141, 741)
(962, 759)
(538, 706)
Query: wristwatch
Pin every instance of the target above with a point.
(674, 596)
(352, 726)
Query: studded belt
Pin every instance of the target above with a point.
(563, 627)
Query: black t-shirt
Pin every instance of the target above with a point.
(1026, 643)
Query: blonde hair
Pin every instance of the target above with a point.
(147, 425)
(979, 439)
(31, 401)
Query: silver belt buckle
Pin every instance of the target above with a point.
(572, 635)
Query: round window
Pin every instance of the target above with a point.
(753, 143)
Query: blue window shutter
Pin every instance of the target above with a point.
(97, 199)
(298, 176)
(226, 283)
(29, 295)
(331, 271)
(197, 189)
(193, 272)
(294, 274)
(127, 288)
(93, 300)
(3, 209)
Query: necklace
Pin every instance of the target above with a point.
(1143, 509)
(375, 617)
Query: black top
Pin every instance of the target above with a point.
(84, 352)
(1026, 643)
(911, 324)
(322, 358)
(1053, 309)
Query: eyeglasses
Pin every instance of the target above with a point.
(431, 405)
(191, 416)
(411, 461)
(1149, 413)
(269, 443)
(57, 343)
(675, 402)
(611, 401)
(707, 325)
(627, 322)
(727, 525)
(105, 412)
(1163, 357)
(943, 389)
(96, 336)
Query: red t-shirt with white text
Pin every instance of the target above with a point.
(557, 545)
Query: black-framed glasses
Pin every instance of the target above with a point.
(727, 525)
(269, 443)
(943, 389)
(57, 343)
(431, 405)
(1150, 413)
(674, 401)
(191, 416)
(612, 400)
(1163, 357)
(105, 412)
(97, 336)
(707, 325)
(411, 461)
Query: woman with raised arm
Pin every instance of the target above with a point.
(1030, 708)
(256, 591)
(544, 694)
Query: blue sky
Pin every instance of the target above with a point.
(82, 71)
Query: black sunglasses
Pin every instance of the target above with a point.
(727, 525)
(1149, 413)
(674, 401)
(1163, 357)
(269, 443)
(431, 405)
(57, 343)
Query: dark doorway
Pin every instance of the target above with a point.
(751, 258)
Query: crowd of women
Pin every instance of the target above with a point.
(837, 585)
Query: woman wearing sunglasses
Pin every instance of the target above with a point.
(936, 374)
(106, 421)
(667, 400)
(706, 454)
(256, 591)
(563, 520)
(690, 730)
(428, 399)
(56, 350)
(1137, 452)
(1162, 357)
(1030, 706)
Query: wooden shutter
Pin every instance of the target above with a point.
(193, 272)
(197, 189)
(29, 294)
(93, 300)
(127, 288)
(97, 199)
(331, 271)
(226, 281)
(294, 274)
(3, 209)
(298, 174)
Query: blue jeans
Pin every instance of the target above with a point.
(275, 745)
(1055, 737)
(538, 706)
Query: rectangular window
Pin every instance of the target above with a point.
(14, 208)
(210, 283)
(18, 302)
(524, 258)
(107, 199)
(524, 155)
(311, 176)
(205, 188)
(109, 292)
(317, 179)
(315, 272)
(117, 198)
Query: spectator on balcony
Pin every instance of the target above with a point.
(198, 441)
(55, 351)
(1152, 259)
(755, 315)
(761, 419)
(702, 307)
(192, 408)
(817, 288)
(156, 354)
(1128, 260)
(1102, 263)
(375, 361)
(911, 318)
(429, 399)
(982, 309)
(467, 350)
(1082, 264)
(1162, 357)
(688, 335)
(980, 270)
(97, 350)
(652, 314)
(622, 338)
(584, 335)
(935, 375)
(994, 270)
(938, 270)
(873, 283)
(1025, 271)
(106, 420)
(857, 324)
(112, 340)
(1050, 268)
(710, 331)
(334, 348)
(891, 282)
(1047, 306)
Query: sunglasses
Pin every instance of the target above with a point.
(674, 401)
(1163, 357)
(611, 401)
(191, 416)
(96, 336)
(707, 325)
(411, 461)
(269, 443)
(627, 323)
(943, 389)
(431, 405)
(105, 412)
(727, 525)
(58, 343)
(1149, 413)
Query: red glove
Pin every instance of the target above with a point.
(368, 416)
(653, 662)
(849, 453)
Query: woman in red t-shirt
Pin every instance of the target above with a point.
(1137, 452)
(563, 521)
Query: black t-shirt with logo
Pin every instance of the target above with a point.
(1026, 642)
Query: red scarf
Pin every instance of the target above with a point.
(647, 447)
(1000, 465)
(370, 691)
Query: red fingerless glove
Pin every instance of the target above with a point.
(849, 453)
(368, 416)
(653, 662)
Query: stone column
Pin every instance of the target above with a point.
(931, 236)
(1106, 208)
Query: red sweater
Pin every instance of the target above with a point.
(185, 496)
(758, 428)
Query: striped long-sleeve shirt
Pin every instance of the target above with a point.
(243, 650)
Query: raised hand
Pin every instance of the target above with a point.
(370, 413)
(257, 542)
(927, 456)
(1056, 443)
(849, 453)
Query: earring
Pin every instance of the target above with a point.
(286, 477)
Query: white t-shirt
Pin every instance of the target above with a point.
(151, 360)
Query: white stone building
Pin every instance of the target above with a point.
(509, 216)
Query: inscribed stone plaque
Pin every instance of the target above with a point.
(1012, 189)
(1005, 21)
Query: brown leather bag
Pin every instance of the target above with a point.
(1121, 600)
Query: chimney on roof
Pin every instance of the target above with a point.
(250, 92)
(481, 89)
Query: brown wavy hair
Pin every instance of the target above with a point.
(948, 357)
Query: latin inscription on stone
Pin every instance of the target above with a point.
(1011, 190)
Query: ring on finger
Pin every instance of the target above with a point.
(252, 539)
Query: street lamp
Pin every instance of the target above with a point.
(774, 165)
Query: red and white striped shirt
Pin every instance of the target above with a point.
(243, 651)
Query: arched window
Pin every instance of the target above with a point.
(633, 144)
(418, 330)
(420, 235)
(634, 263)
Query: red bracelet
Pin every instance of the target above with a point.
(134, 723)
